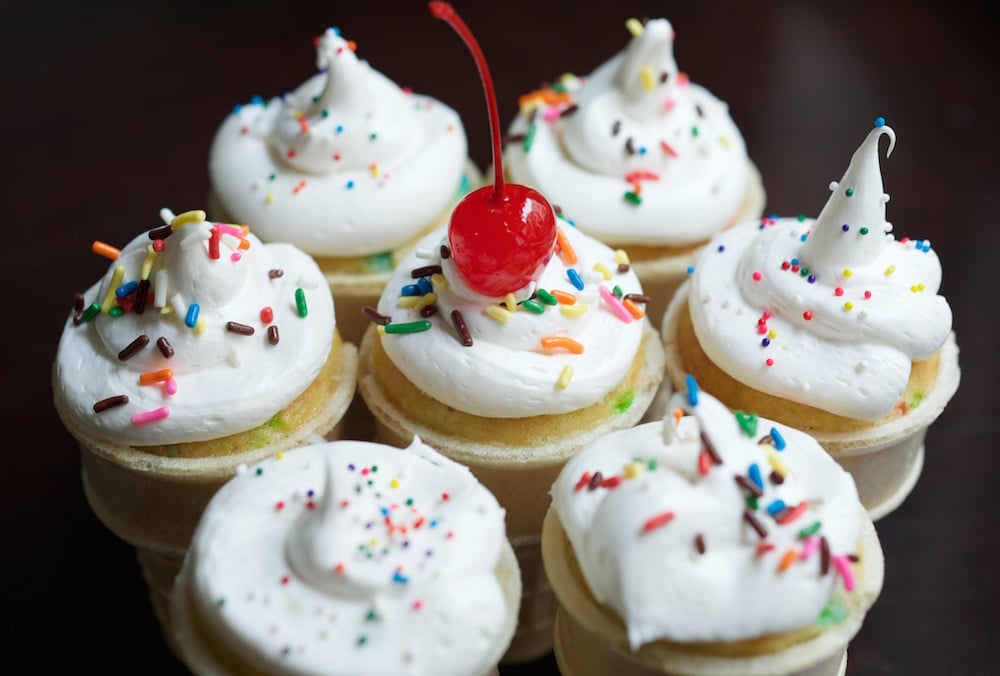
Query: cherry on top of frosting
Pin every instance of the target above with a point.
(502, 236)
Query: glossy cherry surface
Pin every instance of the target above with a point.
(500, 236)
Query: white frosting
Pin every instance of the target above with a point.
(375, 559)
(687, 154)
(225, 382)
(849, 310)
(347, 165)
(507, 373)
(655, 578)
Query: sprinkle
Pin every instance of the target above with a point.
(497, 313)
(92, 311)
(194, 216)
(616, 305)
(566, 251)
(809, 548)
(104, 249)
(632, 198)
(809, 530)
(425, 301)
(779, 441)
(584, 480)
(561, 342)
(621, 258)
(242, 329)
(153, 377)
(191, 316)
(747, 422)
(636, 298)
(407, 327)
(748, 485)
(657, 521)
(574, 278)
(547, 297)
(116, 280)
(300, 302)
(710, 448)
(824, 555)
(110, 402)
(699, 543)
(754, 473)
(632, 308)
(776, 464)
(563, 297)
(213, 244)
(150, 416)
(791, 514)
(754, 523)
(125, 290)
(775, 506)
(807, 315)
(763, 548)
(692, 389)
(374, 315)
(425, 271)
(170, 387)
(635, 27)
(161, 232)
(510, 302)
(272, 334)
(787, 560)
(529, 137)
(133, 348)
(575, 310)
(564, 377)
(843, 566)
(275, 273)
(704, 462)
(460, 326)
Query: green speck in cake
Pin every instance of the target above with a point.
(917, 398)
(624, 402)
(380, 262)
(834, 613)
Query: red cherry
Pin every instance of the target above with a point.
(500, 237)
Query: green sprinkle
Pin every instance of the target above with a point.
(533, 306)
(801, 217)
(271, 177)
(694, 131)
(325, 113)
(92, 311)
(558, 87)
(116, 311)
(617, 291)
(624, 402)
(362, 639)
(374, 468)
(748, 422)
(633, 198)
(260, 471)
(380, 262)
(547, 297)
(221, 602)
(529, 138)
(849, 192)
(409, 502)
(752, 502)
(300, 302)
(408, 327)
(803, 272)
(652, 465)
(373, 136)
(809, 530)
(864, 231)
(834, 613)
(371, 616)
(315, 99)
(917, 398)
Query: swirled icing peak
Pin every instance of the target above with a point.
(633, 153)
(347, 164)
(828, 312)
(180, 339)
(559, 345)
(710, 526)
(376, 559)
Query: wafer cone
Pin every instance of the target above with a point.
(885, 456)
(591, 639)
(516, 459)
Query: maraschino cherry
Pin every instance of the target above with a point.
(500, 237)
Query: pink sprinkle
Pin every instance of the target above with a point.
(868, 294)
(170, 386)
(150, 416)
(236, 256)
(159, 245)
(838, 291)
(550, 114)
(769, 361)
(810, 547)
(230, 230)
(766, 314)
(757, 276)
(668, 149)
(843, 565)
(616, 305)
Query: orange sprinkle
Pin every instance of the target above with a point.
(564, 297)
(637, 188)
(566, 251)
(153, 377)
(678, 414)
(297, 189)
(352, 45)
(244, 244)
(105, 250)
(556, 342)
(787, 560)
(633, 309)
(547, 96)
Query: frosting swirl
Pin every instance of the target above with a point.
(348, 164)
(376, 559)
(562, 348)
(181, 326)
(830, 311)
(724, 528)
(634, 153)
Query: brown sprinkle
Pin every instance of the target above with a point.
(141, 296)
(78, 302)
(824, 556)
(623, 268)
(275, 273)
(776, 478)
(242, 329)
(445, 251)
(699, 543)
(162, 232)
(428, 311)
(569, 110)
(133, 348)
(636, 297)
(374, 315)
(595, 480)
(110, 402)
(166, 349)
(425, 271)
(710, 448)
(749, 486)
(755, 523)
(616, 127)
(272, 334)
(630, 146)
(463, 330)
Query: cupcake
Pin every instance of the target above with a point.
(199, 350)
(507, 340)
(709, 543)
(638, 156)
(348, 167)
(348, 557)
(829, 325)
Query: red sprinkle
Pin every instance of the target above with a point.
(657, 521)
(584, 480)
(789, 515)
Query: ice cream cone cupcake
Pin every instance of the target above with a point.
(200, 349)
(349, 167)
(348, 557)
(709, 543)
(829, 325)
(638, 156)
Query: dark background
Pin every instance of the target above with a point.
(107, 113)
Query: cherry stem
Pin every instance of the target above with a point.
(445, 12)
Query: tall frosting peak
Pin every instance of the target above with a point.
(648, 69)
(851, 230)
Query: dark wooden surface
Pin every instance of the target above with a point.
(108, 111)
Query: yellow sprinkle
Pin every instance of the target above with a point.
(394, 483)
(772, 334)
(407, 301)
(889, 270)
(510, 300)
(724, 141)
(603, 269)
(775, 462)
(180, 220)
(633, 469)
(166, 310)
(147, 262)
(116, 279)
(917, 288)
(635, 27)
(200, 326)
(621, 258)
(269, 198)
(280, 455)
(564, 377)
(648, 81)
(498, 313)
(374, 170)
(574, 310)
(848, 272)
(373, 542)
(425, 300)
(380, 329)
(848, 306)
(439, 281)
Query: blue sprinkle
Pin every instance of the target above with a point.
(692, 388)
(385, 511)
(399, 578)
(795, 261)
(192, 315)
(755, 476)
(125, 289)
(779, 441)
(845, 227)
(424, 285)
(765, 342)
(434, 523)
(575, 279)
(237, 108)
(879, 121)
(257, 100)
(775, 507)
(803, 236)
(811, 279)
(690, 270)
(926, 247)
(350, 185)
(642, 150)
(336, 30)
(350, 467)
(410, 290)
(340, 128)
